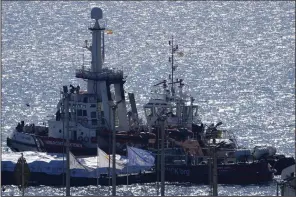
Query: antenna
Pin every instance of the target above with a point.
(171, 59)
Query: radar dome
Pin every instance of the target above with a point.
(96, 13)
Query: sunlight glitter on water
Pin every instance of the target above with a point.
(238, 61)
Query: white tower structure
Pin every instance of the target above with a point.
(100, 79)
(96, 49)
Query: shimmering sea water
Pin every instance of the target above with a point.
(239, 64)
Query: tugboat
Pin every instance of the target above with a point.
(185, 130)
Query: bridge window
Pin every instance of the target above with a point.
(93, 114)
(85, 99)
(79, 112)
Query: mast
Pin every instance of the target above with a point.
(98, 79)
(172, 65)
(171, 59)
(96, 49)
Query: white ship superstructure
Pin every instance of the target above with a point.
(90, 111)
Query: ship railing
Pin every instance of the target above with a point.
(100, 76)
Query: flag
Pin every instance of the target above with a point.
(139, 157)
(109, 31)
(75, 164)
(104, 161)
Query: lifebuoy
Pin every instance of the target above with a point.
(86, 139)
(80, 138)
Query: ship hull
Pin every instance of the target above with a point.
(25, 141)
(244, 173)
(53, 145)
(56, 145)
(19, 146)
(248, 173)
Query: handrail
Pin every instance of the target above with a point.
(103, 75)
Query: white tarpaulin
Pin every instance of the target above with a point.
(51, 163)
